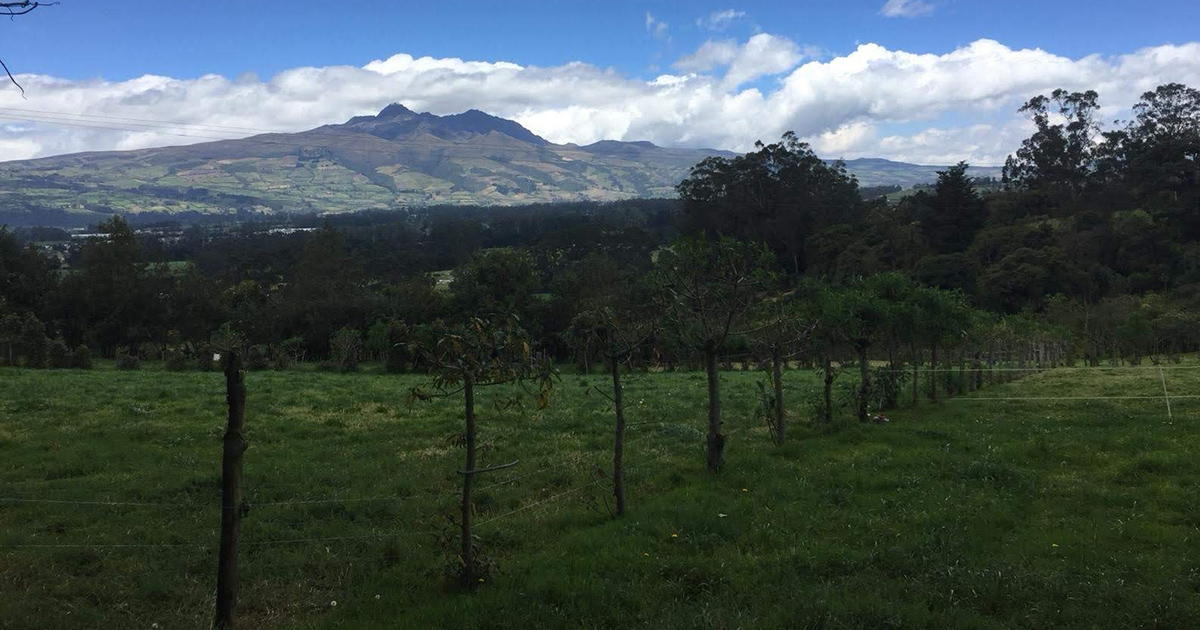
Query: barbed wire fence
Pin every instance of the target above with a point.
(583, 468)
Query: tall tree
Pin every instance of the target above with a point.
(780, 194)
(1058, 156)
(950, 217)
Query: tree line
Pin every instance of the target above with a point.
(1093, 233)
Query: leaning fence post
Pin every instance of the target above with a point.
(231, 490)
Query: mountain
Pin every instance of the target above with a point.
(397, 158)
(881, 172)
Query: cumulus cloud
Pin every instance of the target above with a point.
(720, 20)
(873, 101)
(711, 54)
(905, 8)
(761, 55)
(656, 27)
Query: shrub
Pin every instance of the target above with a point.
(346, 349)
(205, 361)
(258, 357)
(397, 352)
(32, 342)
(176, 360)
(280, 360)
(81, 359)
(293, 348)
(127, 361)
(59, 355)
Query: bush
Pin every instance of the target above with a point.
(258, 357)
(346, 349)
(293, 349)
(397, 353)
(281, 360)
(33, 342)
(127, 361)
(59, 355)
(176, 360)
(205, 361)
(81, 359)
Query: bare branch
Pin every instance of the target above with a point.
(10, 78)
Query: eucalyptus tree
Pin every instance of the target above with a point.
(479, 353)
(780, 194)
(705, 288)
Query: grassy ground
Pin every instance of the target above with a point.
(961, 514)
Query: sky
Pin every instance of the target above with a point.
(927, 81)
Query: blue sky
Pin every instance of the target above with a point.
(125, 39)
(930, 81)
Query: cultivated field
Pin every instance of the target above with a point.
(960, 514)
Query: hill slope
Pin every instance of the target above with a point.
(394, 159)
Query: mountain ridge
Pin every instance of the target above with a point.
(397, 158)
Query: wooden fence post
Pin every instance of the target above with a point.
(231, 491)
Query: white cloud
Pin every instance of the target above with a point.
(905, 8)
(720, 20)
(933, 108)
(761, 55)
(656, 27)
(711, 54)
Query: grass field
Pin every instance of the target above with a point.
(961, 514)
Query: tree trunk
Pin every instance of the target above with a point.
(916, 364)
(933, 373)
(977, 369)
(468, 548)
(231, 491)
(716, 441)
(864, 387)
(828, 388)
(619, 439)
(777, 378)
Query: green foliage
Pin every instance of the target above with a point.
(128, 361)
(59, 355)
(482, 352)
(500, 280)
(81, 358)
(346, 349)
(705, 288)
(176, 360)
(258, 357)
(779, 194)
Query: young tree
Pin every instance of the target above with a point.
(705, 288)
(828, 339)
(864, 317)
(479, 353)
(616, 330)
(943, 319)
(781, 324)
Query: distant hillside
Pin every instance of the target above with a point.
(881, 172)
(398, 158)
